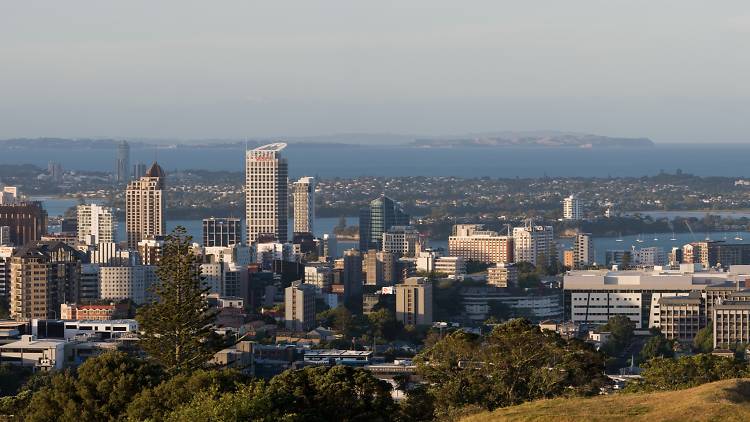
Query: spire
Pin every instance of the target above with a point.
(155, 171)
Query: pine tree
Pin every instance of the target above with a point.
(176, 325)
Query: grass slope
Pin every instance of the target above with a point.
(719, 401)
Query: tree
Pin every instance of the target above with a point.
(156, 403)
(101, 389)
(686, 372)
(176, 327)
(383, 324)
(621, 329)
(704, 340)
(656, 345)
(516, 362)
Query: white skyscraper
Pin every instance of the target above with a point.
(303, 192)
(96, 224)
(144, 206)
(266, 196)
(530, 243)
(572, 208)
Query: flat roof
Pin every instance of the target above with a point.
(336, 352)
(278, 146)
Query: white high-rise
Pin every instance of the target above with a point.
(530, 243)
(572, 208)
(266, 193)
(96, 224)
(303, 192)
(144, 206)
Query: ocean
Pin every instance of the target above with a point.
(352, 161)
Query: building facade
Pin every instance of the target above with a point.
(26, 221)
(473, 243)
(583, 250)
(382, 214)
(266, 196)
(144, 206)
(299, 307)
(96, 224)
(414, 301)
(572, 208)
(122, 164)
(303, 192)
(222, 232)
(402, 241)
(534, 244)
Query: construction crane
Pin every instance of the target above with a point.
(691, 230)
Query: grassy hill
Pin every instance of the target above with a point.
(727, 400)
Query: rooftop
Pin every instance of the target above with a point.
(271, 147)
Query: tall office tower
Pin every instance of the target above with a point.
(122, 165)
(139, 170)
(533, 243)
(473, 243)
(222, 232)
(303, 191)
(27, 221)
(329, 247)
(55, 171)
(144, 206)
(382, 214)
(380, 268)
(414, 301)
(299, 306)
(266, 196)
(352, 280)
(583, 250)
(96, 224)
(572, 208)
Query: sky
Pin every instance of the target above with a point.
(673, 71)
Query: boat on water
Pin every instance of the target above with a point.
(673, 238)
(738, 237)
(619, 238)
(639, 239)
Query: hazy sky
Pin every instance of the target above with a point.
(675, 71)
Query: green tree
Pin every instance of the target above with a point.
(516, 362)
(383, 325)
(176, 327)
(100, 390)
(621, 330)
(704, 340)
(687, 371)
(156, 403)
(657, 345)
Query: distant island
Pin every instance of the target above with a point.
(536, 139)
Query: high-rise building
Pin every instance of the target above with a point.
(352, 280)
(96, 224)
(380, 268)
(144, 206)
(126, 282)
(299, 306)
(303, 192)
(27, 221)
(473, 243)
(382, 214)
(583, 250)
(266, 196)
(329, 246)
(414, 301)
(6, 252)
(572, 208)
(139, 170)
(533, 243)
(122, 165)
(8, 195)
(4, 235)
(222, 231)
(55, 171)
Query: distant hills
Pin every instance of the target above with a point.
(536, 139)
(499, 139)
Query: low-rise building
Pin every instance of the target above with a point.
(503, 275)
(681, 317)
(338, 357)
(29, 351)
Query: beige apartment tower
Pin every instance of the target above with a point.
(96, 224)
(266, 196)
(414, 301)
(303, 192)
(473, 243)
(29, 284)
(144, 206)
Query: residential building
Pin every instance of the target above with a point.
(402, 241)
(649, 257)
(303, 192)
(583, 251)
(150, 249)
(382, 214)
(568, 259)
(534, 244)
(102, 312)
(6, 252)
(473, 243)
(572, 208)
(222, 232)
(380, 268)
(414, 301)
(451, 266)
(26, 221)
(299, 306)
(319, 275)
(503, 275)
(711, 253)
(8, 195)
(329, 246)
(144, 206)
(266, 197)
(96, 224)
(126, 282)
